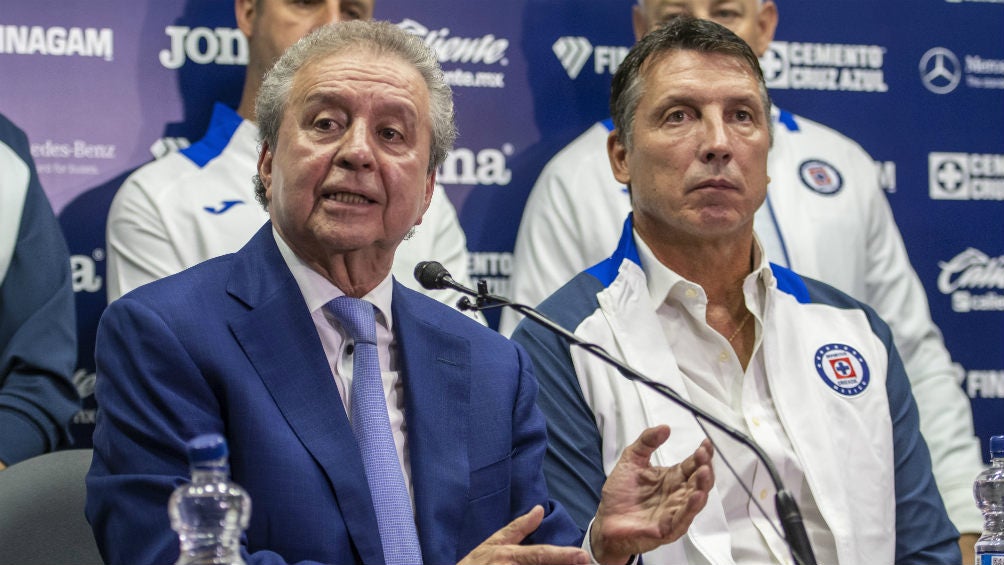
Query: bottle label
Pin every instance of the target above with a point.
(990, 559)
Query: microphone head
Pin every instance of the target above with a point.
(431, 274)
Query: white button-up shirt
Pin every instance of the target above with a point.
(717, 383)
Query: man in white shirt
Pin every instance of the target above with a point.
(824, 216)
(195, 204)
(688, 299)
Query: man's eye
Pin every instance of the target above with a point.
(355, 10)
(325, 124)
(390, 134)
(743, 116)
(725, 15)
(677, 116)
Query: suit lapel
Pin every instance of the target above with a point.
(293, 367)
(436, 365)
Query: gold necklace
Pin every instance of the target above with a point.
(740, 327)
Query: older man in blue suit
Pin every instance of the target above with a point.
(355, 120)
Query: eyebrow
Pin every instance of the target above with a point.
(330, 97)
(689, 100)
(323, 95)
(363, 6)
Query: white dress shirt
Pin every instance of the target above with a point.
(717, 383)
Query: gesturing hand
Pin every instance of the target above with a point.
(642, 506)
(503, 547)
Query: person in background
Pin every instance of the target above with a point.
(687, 298)
(312, 360)
(824, 216)
(197, 203)
(38, 346)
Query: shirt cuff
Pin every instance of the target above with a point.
(589, 548)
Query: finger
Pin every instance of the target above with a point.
(704, 477)
(701, 456)
(675, 525)
(640, 452)
(704, 452)
(526, 555)
(516, 531)
(549, 555)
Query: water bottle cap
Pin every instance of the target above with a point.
(996, 447)
(207, 447)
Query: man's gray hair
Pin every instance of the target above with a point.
(380, 38)
(681, 34)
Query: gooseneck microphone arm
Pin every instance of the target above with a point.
(432, 275)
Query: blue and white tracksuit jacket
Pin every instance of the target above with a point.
(825, 217)
(863, 457)
(38, 341)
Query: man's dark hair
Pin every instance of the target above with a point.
(682, 34)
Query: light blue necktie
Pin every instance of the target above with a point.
(371, 426)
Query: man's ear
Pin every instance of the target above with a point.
(766, 25)
(244, 13)
(639, 21)
(430, 187)
(265, 169)
(618, 156)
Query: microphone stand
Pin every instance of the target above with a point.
(787, 509)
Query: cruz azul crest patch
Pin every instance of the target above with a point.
(821, 177)
(842, 368)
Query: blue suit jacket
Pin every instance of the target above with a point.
(229, 346)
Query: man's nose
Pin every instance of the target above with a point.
(716, 144)
(330, 12)
(355, 151)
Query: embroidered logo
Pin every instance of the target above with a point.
(821, 177)
(224, 206)
(842, 368)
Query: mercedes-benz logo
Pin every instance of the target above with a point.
(940, 70)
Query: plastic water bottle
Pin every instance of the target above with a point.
(210, 512)
(989, 493)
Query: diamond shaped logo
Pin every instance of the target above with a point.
(573, 52)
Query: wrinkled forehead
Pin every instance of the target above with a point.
(360, 64)
(361, 53)
(677, 56)
(362, 79)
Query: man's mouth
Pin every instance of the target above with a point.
(720, 184)
(348, 198)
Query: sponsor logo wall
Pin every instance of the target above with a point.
(102, 88)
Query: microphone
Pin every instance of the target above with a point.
(432, 275)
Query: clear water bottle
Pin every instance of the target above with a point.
(210, 513)
(989, 493)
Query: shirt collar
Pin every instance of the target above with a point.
(662, 280)
(318, 291)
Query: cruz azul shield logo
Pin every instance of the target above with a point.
(821, 177)
(842, 368)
